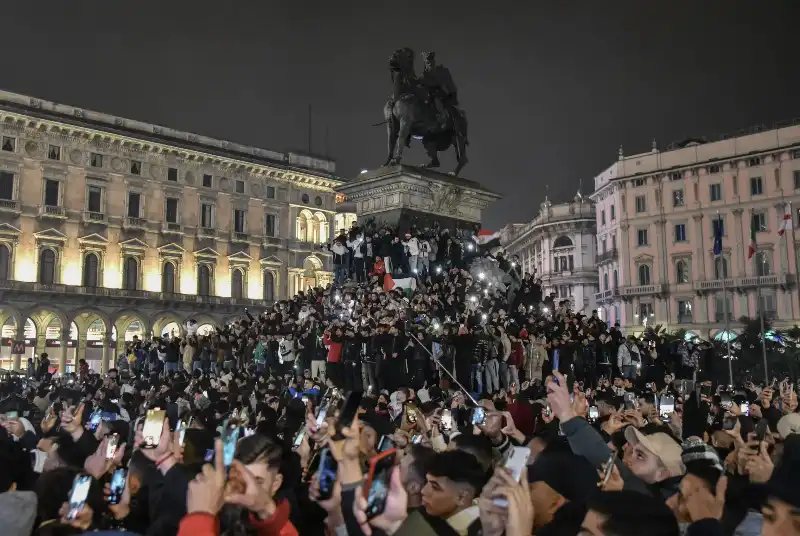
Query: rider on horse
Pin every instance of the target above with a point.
(439, 82)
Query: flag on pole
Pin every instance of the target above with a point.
(751, 250)
(407, 284)
(786, 222)
(486, 241)
(718, 236)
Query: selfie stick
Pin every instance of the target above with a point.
(438, 364)
(442, 367)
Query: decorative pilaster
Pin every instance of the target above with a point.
(739, 238)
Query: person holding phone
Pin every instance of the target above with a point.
(252, 484)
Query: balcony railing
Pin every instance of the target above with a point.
(171, 228)
(773, 280)
(206, 232)
(713, 284)
(132, 222)
(90, 216)
(272, 241)
(75, 290)
(643, 290)
(610, 255)
(49, 211)
(240, 237)
(607, 294)
(9, 205)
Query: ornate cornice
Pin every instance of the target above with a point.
(137, 146)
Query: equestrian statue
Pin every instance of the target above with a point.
(424, 107)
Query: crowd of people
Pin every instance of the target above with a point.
(433, 389)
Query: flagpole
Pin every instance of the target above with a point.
(759, 309)
(788, 211)
(725, 300)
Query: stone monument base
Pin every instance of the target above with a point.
(408, 196)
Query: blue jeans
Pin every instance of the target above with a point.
(172, 367)
(477, 378)
(492, 376)
(629, 371)
(503, 373)
(197, 365)
(340, 273)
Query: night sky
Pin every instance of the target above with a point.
(551, 91)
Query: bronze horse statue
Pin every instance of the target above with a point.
(412, 111)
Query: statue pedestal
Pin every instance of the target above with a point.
(406, 196)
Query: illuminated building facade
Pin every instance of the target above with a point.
(558, 245)
(111, 228)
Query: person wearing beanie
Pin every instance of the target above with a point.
(782, 507)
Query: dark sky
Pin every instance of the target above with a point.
(551, 88)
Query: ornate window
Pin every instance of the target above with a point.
(204, 280)
(5, 262)
(616, 279)
(605, 281)
(269, 286)
(237, 284)
(644, 274)
(168, 278)
(320, 228)
(91, 270)
(682, 271)
(305, 224)
(130, 273)
(562, 241)
(47, 266)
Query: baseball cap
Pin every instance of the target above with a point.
(789, 424)
(666, 449)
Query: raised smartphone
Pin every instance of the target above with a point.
(376, 488)
(515, 462)
(153, 427)
(78, 495)
(326, 474)
(117, 486)
(111, 449)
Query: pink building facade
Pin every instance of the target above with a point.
(656, 218)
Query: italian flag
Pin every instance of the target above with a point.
(786, 222)
(751, 250)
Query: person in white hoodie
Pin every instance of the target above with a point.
(412, 247)
(358, 257)
(286, 353)
(629, 358)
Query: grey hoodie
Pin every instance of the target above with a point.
(17, 512)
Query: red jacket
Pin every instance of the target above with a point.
(379, 268)
(334, 348)
(203, 524)
(517, 357)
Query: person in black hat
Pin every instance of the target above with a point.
(782, 508)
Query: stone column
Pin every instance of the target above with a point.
(81, 351)
(625, 258)
(106, 353)
(698, 238)
(703, 309)
(17, 358)
(62, 357)
(41, 344)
